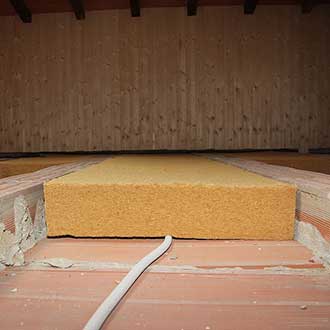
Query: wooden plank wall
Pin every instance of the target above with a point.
(220, 80)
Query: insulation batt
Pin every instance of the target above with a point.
(183, 196)
(24, 165)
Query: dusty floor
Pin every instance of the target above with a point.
(196, 285)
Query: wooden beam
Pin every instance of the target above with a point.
(135, 8)
(250, 6)
(191, 7)
(307, 6)
(78, 8)
(22, 10)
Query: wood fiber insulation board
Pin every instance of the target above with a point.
(30, 186)
(313, 189)
(24, 165)
(184, 196)
(308, 162)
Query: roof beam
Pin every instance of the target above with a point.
(135, 8)
(250, 6)
(191, 7)
(78, 8)
(22, 10)
(307, 6)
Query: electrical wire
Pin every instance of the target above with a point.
(109, 304)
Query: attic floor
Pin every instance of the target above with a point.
(196, 285)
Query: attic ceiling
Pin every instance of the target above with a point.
(26, 8)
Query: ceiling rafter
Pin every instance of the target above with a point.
(78, 8)
(307, 6)
(135, 8)
(250, 6)
(192, 7)
(22, 10)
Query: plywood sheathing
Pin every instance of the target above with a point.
(185, 196)
(313, 190)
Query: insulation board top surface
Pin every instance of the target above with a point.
(184, 196)
(145, 169)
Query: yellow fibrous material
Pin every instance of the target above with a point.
(183, 196)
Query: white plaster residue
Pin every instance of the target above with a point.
(24, 230)
(10, 252)
(40, 228)
(309, 235)
(27, 233)
(58, 262)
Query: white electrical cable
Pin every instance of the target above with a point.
(110, 303)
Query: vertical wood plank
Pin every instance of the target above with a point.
(219, 80)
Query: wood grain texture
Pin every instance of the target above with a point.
(218, 80)
(50, 6)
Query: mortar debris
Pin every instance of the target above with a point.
(27, 232)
